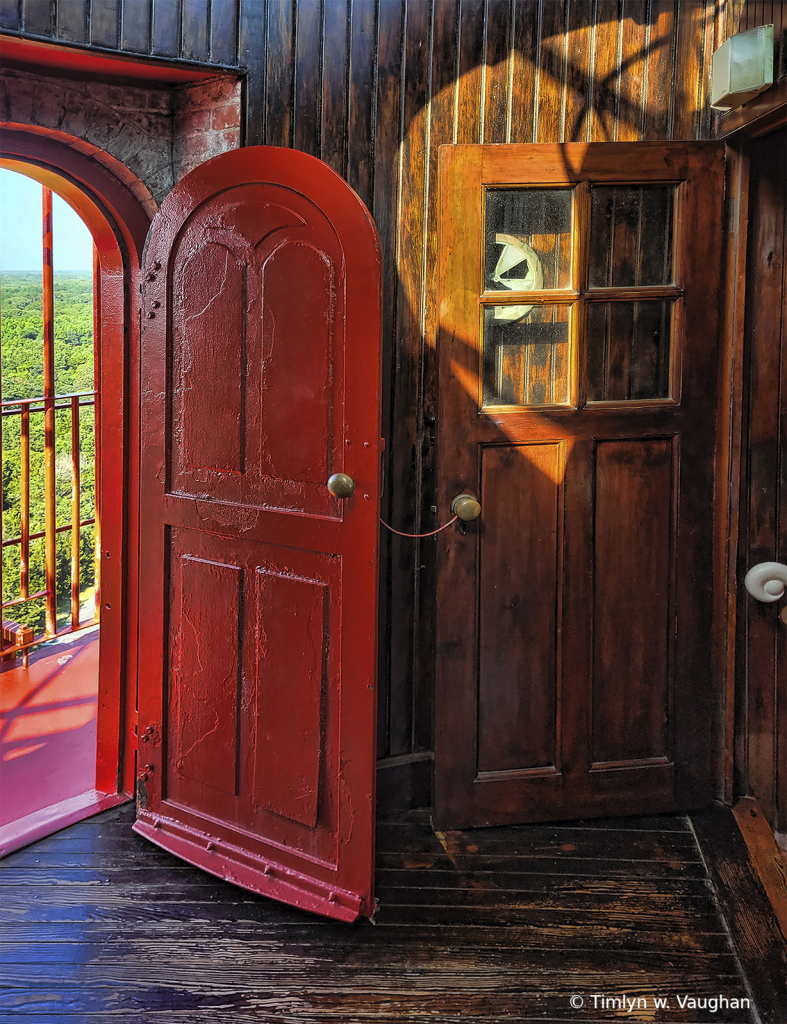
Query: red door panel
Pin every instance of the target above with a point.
(258, 590)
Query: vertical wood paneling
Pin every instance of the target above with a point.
(525, 61)
(405, 483)
(308, 85)
(104, 20)
(334, 99)
(632, 89)
(440, 132)
(38, 17)
(659, 70)
(72, 21)
(135, 28)
(11, 14)
(252, 54)
(194, 29)
(223, 31)
(166, 28)
(385, 211)
(605, 72)
(279, 75)
(469, 71)
(551, 72)
(360, 120)
(688, 66)
(498, 46)
(578, 72)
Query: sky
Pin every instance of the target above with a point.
(20, 229)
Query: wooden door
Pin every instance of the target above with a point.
(761, 711)
(578, 298)
(260, 380)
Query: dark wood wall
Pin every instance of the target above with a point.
(374, 88)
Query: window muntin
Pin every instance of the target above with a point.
(603, 283)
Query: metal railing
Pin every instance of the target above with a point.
(16, 638)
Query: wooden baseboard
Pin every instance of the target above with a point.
(404, 782)
(765, 856)
(753, 928)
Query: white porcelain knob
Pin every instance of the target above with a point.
(767, 581)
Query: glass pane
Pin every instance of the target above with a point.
(527, 244)
(628, 350)
(631, 235)
(526, 362)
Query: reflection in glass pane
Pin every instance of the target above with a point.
(628, 345)
(631, 235)
(527, 242)
(526, 362)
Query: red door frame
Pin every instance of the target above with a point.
(119, 224)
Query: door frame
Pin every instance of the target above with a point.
(119, 223)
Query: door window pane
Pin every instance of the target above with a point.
(628, 345)
(526, 362)
(527, 243)
(631, 235)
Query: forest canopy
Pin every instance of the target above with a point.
(23, 377)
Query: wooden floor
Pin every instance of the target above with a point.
(97, 925)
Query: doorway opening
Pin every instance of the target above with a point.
(70, 495)
(50, 567)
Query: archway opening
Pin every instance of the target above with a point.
(50, 527)
(95, 506)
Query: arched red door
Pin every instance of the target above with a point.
(260, 380)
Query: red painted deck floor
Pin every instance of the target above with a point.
(47, 739)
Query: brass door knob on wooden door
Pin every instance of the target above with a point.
(466, 507)
(340, 485)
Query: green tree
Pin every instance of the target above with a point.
(23, 377)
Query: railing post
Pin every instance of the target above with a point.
(97, 428)
(49, 416)
(24, 502)
(75, 513)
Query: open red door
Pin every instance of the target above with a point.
(258, 590)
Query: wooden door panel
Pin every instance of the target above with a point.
(209, 391)
(258, 650)
(253, 709)
(519, 607)
(204, 680)
(632, 607)
(254, 415)
(576, 401)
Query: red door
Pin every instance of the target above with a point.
(260, 380)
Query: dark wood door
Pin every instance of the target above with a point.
(761, 711)
(578, 295)
(260, 380)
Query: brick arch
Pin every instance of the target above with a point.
(118, 219)
(126, 128)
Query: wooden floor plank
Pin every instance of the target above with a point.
(565, 935)
(546, 997)
(755, 932)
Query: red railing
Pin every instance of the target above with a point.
(17, 638)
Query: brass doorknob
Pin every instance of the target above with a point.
(466, 507)
(340, 485)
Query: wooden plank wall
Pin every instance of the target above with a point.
(742, 15)
(374, 88)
